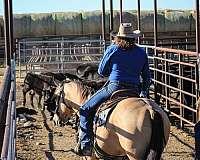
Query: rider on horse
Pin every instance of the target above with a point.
(124, 63)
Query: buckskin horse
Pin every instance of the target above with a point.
(130, 132)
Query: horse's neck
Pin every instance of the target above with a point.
(74, 95)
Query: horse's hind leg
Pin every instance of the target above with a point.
(135, 146)
(131, 153)
(135, 153)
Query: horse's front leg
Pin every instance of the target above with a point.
(56, 120)
(24, 98)
(31, 94)
(39, 103)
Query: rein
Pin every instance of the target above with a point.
(58, 98)
(61, 97)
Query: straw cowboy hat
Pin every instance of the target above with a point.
(126, 30)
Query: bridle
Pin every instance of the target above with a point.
(60, 98)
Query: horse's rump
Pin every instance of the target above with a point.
(130, 123)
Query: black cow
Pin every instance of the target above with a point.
(169, 79)
(189, 87)
(37, 83)
(88, 71)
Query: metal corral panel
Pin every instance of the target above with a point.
(58, 55)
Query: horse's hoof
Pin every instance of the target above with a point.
(56, 120)
(51, 118)
(77, 149)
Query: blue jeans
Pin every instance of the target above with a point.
(88, 110)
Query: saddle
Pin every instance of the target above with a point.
(106, 108)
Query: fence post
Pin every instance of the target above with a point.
(19, 57)
(197, 140)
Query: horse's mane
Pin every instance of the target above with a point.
(72, 77)
(89, 87)
(86, 89)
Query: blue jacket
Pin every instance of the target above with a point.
(126, 65)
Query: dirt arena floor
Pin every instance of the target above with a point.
(39, 139)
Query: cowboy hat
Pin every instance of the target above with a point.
(125, 30)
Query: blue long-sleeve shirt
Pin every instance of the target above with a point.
(125, 65)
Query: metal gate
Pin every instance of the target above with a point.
(175, 82)
(57, 55)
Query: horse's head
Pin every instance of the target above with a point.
(25, 88)
(62, 109)
(69, 95)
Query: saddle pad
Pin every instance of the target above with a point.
(101, 118)
(105, 110)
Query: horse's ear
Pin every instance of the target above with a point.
(67, 80)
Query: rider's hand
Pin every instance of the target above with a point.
(143, 94)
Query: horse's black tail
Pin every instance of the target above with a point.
(157, 141)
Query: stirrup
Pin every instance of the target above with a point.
(77, 149)
(82, 152)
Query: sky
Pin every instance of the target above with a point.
(46, 6)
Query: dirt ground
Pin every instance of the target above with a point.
(39, 139)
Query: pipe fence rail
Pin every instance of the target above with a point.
(8, 114)
(175, 82)
(175, 72)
